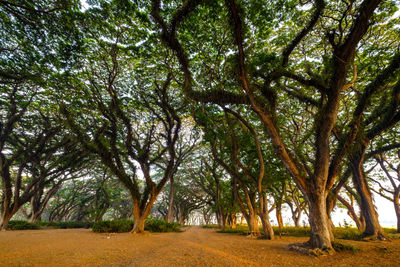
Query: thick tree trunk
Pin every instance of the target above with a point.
(372, 226)
(170, 215)
(138, 226)
(321, 232)
(252, 222)
(140, 215)
(5, 218)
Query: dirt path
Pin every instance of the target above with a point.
(194, 247)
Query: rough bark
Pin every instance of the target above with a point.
(252, 222)
(321, 233)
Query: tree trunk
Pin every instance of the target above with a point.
(296, 218)
(170, 215)
(372, 226)
(396, 203)
(35, 217)
(219, 220)
(321, 234)
(264, 215)
(233, 220)
(252, 222)
(5, 218)
(140, 215)
(351, 212)
(279, 215)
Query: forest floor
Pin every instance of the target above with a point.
(194, 247)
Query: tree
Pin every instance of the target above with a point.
(392, 173)
(260, 71)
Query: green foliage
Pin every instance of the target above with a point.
(209, 226)
(346, 233)
(65, 225)
(161, 226)
(25, 225)
(113, 226)
(123, 226)
(21, 225)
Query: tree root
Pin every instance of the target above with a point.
(305, 248)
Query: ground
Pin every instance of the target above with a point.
(194, 247)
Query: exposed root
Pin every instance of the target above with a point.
(253, 235)
(305, 248)
(375, 237)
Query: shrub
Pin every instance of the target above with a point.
(67, 225)
(64, 225)
(155, 225)
(209, 226)
(21, 225)
(122, 226)
(114, 226)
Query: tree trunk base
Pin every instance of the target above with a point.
(305, 248)
(254, 235)
(374, 237)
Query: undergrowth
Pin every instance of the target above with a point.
(347, 233)
(123, 226)
(25, 225)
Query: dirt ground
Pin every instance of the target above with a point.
(194, 247)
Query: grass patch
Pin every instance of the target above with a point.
(213, 226)
(346, 233)
(292, 231)
(338, 246)
(240, 229)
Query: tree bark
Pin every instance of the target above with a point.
(264, 215)
(396, 203)
(279, 216)
(372, 226)
(321, 233)
(352, 213)
(252, 222)
(140, 214)
(5, 218)
(170, 215)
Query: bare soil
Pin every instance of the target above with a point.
(194, 247)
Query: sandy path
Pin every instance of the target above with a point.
(194, 247)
